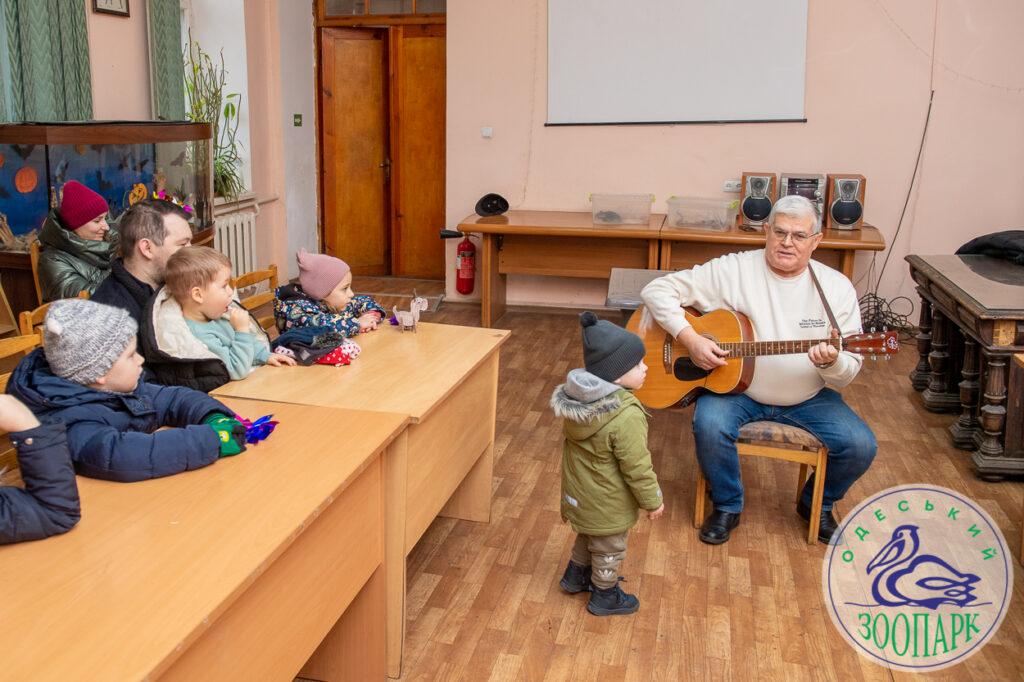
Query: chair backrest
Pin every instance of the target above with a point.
(29, 320)
(10, 346)
(256, 301)
(33, 256)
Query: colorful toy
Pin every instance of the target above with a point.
(259, 430)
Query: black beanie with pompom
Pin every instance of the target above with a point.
(609, 351)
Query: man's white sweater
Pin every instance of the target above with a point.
(779, 308)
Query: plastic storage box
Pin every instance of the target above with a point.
(621, 209)
(702, 214)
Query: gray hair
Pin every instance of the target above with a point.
(796, 206)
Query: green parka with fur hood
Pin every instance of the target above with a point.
(607, 475)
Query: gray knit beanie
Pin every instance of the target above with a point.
(609, 351)
(82, 339)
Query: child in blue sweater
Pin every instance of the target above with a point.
(199, 279)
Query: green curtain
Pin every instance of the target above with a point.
(46, 61)
(166, 69)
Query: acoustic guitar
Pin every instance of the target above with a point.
(673, 378)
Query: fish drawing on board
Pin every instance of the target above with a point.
(23, 150)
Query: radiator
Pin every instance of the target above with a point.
(235, 236)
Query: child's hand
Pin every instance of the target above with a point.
(657, 513)
(239, 318)
(368, 322)
(14, 416)
(280, 360)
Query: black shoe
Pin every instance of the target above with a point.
(612, 601)
(717, 526)
(576, 578)
(828, 522)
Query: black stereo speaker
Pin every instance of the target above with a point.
(845, 201)
(758, 193)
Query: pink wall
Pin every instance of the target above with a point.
(868, 79)
(119, 63)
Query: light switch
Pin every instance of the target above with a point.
(487, 132)
(297, 120)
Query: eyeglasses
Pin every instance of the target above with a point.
(798, 237)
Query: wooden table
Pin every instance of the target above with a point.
(972, 321)
(569, 244)
(558, 243)
(445, 379)
(838, 248)
(236, 571)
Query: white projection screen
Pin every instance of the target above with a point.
(675, 61)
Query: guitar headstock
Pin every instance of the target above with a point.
(883, 343)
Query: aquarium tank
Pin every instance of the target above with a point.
(124, 162)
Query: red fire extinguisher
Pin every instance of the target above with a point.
(465, 266)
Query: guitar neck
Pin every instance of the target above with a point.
(755, 348)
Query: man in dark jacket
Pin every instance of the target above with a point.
(87, 376)
(48, 505)
(151, 231)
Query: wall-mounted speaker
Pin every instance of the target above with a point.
(758, 192)
(845, 201)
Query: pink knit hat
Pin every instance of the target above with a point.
(320, 273)
(79, 205)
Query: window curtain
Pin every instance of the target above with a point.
(44, 61)
(167, 71)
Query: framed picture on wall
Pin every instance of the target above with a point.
(118, 7)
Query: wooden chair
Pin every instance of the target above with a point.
(9, 347)
(779, 441)
(33, 257)
(256, 301)
(29, 320)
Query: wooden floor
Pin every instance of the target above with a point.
(484, 601)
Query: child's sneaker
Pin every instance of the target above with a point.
(576, 578)
(611, 601)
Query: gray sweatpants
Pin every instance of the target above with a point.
(604, 554)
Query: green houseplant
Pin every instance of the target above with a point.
(206, 101)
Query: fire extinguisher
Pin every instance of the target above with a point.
(465, 266)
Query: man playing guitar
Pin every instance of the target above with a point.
(774, 287)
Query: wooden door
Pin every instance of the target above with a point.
(354, 142)
(418, 144)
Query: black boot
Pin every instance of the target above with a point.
(828, 525)
(717, 526)
(576, 578)
(612, 601)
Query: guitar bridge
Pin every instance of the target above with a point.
(666, 354)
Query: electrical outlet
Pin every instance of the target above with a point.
(487, 132)
(731, 186)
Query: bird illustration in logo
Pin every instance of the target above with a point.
(906, 578)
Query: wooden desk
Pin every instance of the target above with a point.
(236, 571)
(445, 378)
(972, 322)
(559, 243)
(838, 248)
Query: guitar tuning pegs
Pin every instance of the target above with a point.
(872, 330)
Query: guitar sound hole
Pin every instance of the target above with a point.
(685, 370)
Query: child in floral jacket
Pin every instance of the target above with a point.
(324, 298)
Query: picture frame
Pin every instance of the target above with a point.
(118, 8)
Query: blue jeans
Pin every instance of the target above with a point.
(716, 425)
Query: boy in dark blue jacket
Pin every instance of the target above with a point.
(87, 376)
(49, 503)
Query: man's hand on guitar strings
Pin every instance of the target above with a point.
(824, 354)
(704, 352)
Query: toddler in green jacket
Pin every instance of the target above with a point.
(607, 475)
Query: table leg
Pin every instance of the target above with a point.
(847, 258)
(653, 253)
(471, 501)
(920, 375)
(989, 459)
(492, 291)
(937, 397)
(964, 429)
(665, 259)
(395, 472)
